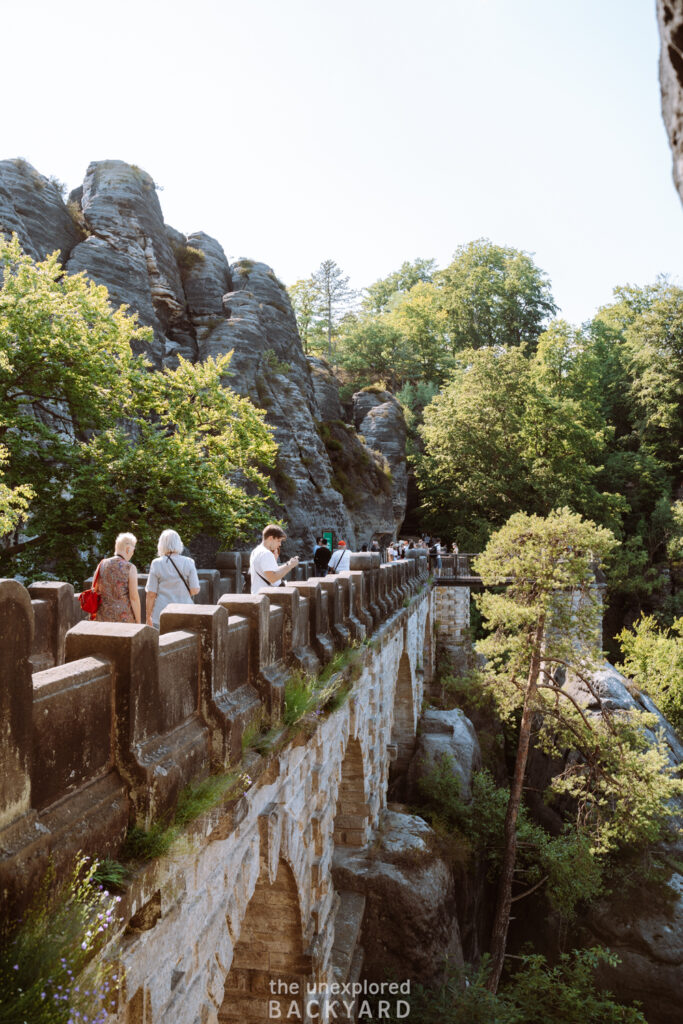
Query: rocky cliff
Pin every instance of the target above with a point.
(670, 18)
(328, 474)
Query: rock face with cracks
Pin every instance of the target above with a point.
(445, 734)
(199, 305)
(410, 922)
(670, 19)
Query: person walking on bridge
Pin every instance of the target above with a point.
(340, 560)
(172, 577)
(321, 556)
(117, 584)
(263, 565)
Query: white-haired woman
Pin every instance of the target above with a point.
(172, 577)
(117, 583)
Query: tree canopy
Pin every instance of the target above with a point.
(97, 443)
(494, 295)
(544, 633)
(498, 439)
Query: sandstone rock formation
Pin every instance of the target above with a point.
(670, 18)
(448, 734)
(379, 419)
(198, 305)
(410, 924)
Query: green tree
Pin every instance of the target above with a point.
(419, 319)
(497, 440)
(335, 298)
(537, 993)
(104, 443)
(379, 294)
(649, 323)
(494, 295)
(373, 349)
(544, 628)
(305, 301)
(653, 659)
(14, 501)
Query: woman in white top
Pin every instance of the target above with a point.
(172, 577)
(263, 565)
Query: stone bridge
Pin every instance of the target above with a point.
(123, 718)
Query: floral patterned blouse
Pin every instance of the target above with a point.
(113, 589)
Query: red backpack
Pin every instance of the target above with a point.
(90, 600)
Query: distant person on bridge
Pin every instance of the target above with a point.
(172, 577)
(263, 561)
(117, 584)
(321, 556)
(340, 560)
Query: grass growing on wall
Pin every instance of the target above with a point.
(194, 800)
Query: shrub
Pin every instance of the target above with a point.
(187, 256)
(563, 864)
(274, 364)
(42, 957)
(653, 659)
(536, 992)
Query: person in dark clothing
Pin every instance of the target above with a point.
(321, 556)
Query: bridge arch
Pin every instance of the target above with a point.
(404, 721)
(351, 812)
(270, 948)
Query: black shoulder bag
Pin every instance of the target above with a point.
(187, 586)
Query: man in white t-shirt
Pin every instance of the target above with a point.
(340, 560)
(263, 564)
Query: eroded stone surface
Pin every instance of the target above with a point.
(670, 19)
(211, 909)
(410, 922)
(445, 734)
(199, 306)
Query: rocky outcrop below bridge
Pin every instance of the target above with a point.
(198, 305)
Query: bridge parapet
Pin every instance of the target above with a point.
(110, 736)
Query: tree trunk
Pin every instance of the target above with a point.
(501, 922)
(329, 329)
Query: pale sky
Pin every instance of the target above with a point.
(368, 131)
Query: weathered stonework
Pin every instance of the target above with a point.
(248, 896)
(452, 623)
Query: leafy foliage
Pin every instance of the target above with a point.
(497, 441)
(382, 292)
(565, 993)
(653, 659)
(563, 865)
(102, 443)
(320, 303)
(621, 784)
(494, 295)
(43, 956)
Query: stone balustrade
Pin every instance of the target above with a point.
(105, 723)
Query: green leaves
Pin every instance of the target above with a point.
(497, 440)
(101, 443)
(653, 659)
(494, 295)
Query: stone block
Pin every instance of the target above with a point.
(72, 726)
(64, 612)
(16, 697)
(264, 674)
(155, 762)
(319, 633)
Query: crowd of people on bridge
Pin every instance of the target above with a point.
(173, 579)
